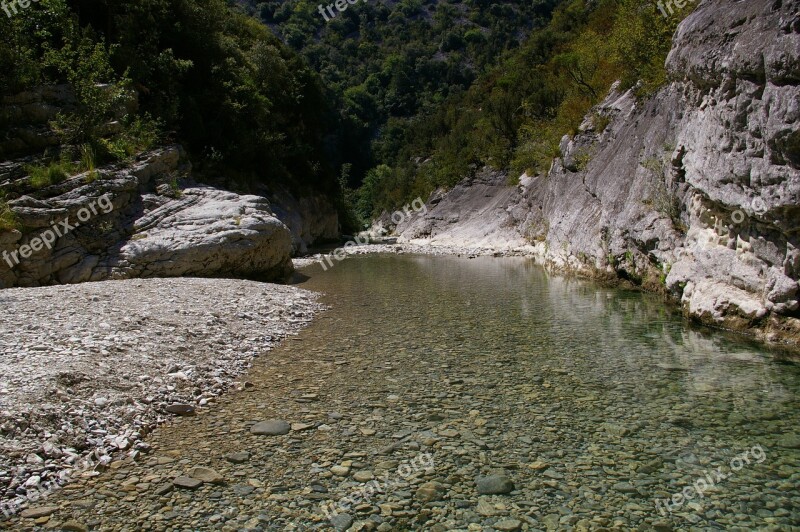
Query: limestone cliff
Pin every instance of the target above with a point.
(694, 192)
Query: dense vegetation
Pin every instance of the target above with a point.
(513, 117)
(396, 98)
(221, 81)
(384, 64)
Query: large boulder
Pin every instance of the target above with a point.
(207, 232)
(137, 222)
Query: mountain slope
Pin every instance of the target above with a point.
(694, 192)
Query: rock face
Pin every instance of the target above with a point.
(141, 225)
(25, 117)
(311, 219)
(207, 232)
(477, 212)
(694, 192)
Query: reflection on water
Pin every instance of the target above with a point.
(586, 357)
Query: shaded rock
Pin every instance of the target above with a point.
(342, 522)
(494, 485)
(180, 409)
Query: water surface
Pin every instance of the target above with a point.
(597, 402)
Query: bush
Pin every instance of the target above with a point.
(139, 135)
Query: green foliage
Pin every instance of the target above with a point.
(600, 122)
(515, 115)
(88, 163)
(139, 134)
(8, 220)
(348, 200)
(48, 174)
(174, 187)
(388, 66)
(582, 160)
(84, 62)
(229, 90)
(663, 200)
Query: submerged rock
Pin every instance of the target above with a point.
(494, 485)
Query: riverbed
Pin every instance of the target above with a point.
(446, 393)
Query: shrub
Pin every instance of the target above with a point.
(140, 133)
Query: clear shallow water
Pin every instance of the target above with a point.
(599, 402)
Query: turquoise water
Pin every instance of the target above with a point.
(600, 402)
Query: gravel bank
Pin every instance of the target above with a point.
(94, 366)
(416, 249)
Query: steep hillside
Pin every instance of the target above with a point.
(388, 65)
(694, 191)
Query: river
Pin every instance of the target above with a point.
(443, 393)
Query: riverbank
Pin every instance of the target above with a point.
(773, 331)
(94, 367)
(492, 396)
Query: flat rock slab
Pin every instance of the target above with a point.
(238, 458)
(271, 427)
(206, 474)
(42, 511)
(180, 409)
(508, 525)
(74, 526)
(188, 483)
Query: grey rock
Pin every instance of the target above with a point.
(661, 199)
(180, 409)
(187, 483)
(508, 525)
(202, 231)
(271, 427)
(163, 489)
(494, 485)
(342, 522)
(238, 458)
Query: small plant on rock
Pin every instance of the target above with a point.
(8, 220)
